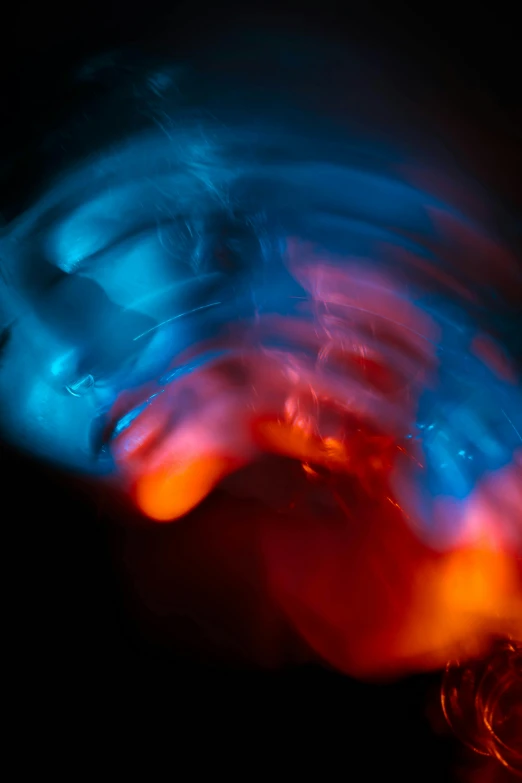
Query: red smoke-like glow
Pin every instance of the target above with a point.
(336, 544)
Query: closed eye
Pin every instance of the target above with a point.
(133, 233)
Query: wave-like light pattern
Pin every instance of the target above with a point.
(226, 285)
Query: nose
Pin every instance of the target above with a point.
(79, 314)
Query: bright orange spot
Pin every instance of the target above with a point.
(462, 598)
(293, 441)
(309, 470)
(172, 491)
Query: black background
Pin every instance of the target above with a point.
(77, 663)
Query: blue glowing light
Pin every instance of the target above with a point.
(177, 235)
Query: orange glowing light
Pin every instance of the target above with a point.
(293, 441)
(172, 491)
(415, 607)
(347, 568)
(460, 599)
(482, 703)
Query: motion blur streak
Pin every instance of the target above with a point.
(482, 702)
(236, 299)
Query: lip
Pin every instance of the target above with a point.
(114, 425)
(173, 443)
(113, 429)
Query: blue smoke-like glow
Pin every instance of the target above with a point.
(163, 239)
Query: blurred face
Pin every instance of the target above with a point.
(214, 296)
(100, 272)
(159, 242)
